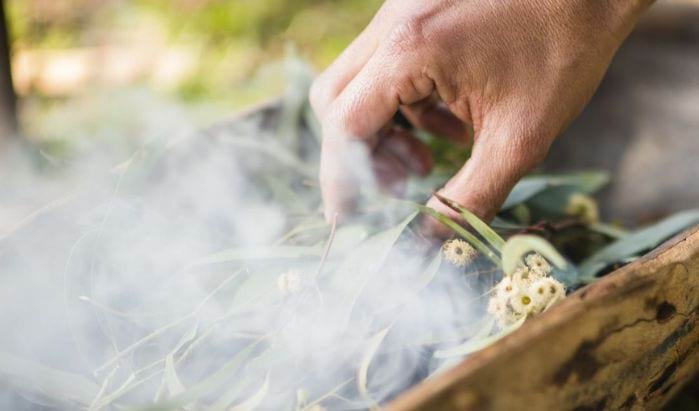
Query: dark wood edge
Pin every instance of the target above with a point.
(563, 313)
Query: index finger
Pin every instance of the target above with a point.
(366, 105)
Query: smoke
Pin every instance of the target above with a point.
(193, 272)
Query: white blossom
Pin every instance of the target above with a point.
(537, 263)
(459, 252)
(289, 282)
(528, 291)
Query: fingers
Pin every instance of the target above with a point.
(432, 115)
(412, 153)
(335, 78)
(390, 172)
(501, 155)
(363, 108)
(329, 84)
(343, 164)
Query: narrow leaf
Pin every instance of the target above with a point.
(482, 228)
(467, 347)
(254, 401)
(518, 246)
(472, 239)
(54, 384)
(637, 242)
(363, 372)
(258, 253)
(475, 344)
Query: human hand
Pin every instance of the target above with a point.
(514, 72)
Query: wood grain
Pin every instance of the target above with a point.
(628, 341)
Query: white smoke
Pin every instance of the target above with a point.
(153, 279)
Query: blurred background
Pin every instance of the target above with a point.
(78, 65)
(123, 70)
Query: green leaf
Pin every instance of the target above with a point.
(254, 401)
(231, 394)
(347, 238)
(360, 264)
(477, 344)
(548, 190)
(527, 188)
(258, 253)
(482, 228)
(363, 371)
(609, 230)
(472, 239)
(208, 384)
(556, 197)
(172, 381)
(637, 242)
(470, 345)
(329, 394)
(51, 383)
(518, 246)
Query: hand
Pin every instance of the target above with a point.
(516, 72)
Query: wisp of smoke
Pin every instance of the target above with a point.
(197, 273)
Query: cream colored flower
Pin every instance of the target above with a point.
(541, 295)
(523, 277)
(522, 303)
(550, 289)
(585, 207)
(495, 305)
(459, 252)
(557, 292)
(289, 282)
(506, 287)
(537, 263)
(541, 288)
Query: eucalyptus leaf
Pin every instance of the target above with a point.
(360, 264)
(254, 401)
(172, 381)
(482, 228)
(527, 188)
(638, 242)
(518, 246)
(367, 358)
(259, 253)
(470, 238)
(549, 190)
(54, 384)
(208, 384)
(465, 348)
(477, 344)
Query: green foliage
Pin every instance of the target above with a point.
(235, 42)
(638, 242)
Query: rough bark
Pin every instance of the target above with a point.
(628, 341)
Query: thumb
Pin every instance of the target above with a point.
(502, 154)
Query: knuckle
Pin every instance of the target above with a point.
(408, 35)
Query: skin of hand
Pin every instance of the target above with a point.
(505, 76)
